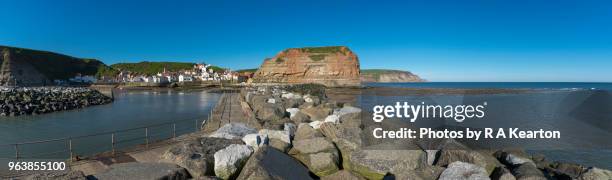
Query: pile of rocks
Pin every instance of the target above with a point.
(300, 136)
(38, 100)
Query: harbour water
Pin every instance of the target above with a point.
(131, 109)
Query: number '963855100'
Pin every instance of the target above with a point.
(36, 166)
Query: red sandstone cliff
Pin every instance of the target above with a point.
(330, 66)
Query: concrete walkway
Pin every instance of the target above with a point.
(228, 110)
(100, 163)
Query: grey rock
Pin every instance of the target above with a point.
(230, 160)
(233, 131)
(460, 170)
(253, 140)
(470, 156)
(569, 169)
(528, 171)
(134, 170)
(282, 135)
(595, 174)
(280, 145)
(300, 117)
(314, 145)
(375, 164)
(317, 113)
(501, 173)
(269, 163)
(318, 154)
(305, 131)
(197, 156)
(270, 112)
(513, 157)
(323, 164)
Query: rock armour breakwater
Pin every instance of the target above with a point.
(39, 100)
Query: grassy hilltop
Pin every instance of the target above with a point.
(55, 65)
(151, 68)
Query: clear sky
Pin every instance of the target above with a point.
(488, 40)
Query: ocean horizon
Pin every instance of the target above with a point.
(500, 85)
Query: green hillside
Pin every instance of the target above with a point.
(151, 68)
(58, 66)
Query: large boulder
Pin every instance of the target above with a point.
(375, 164)
(528, 171)
(318, 154)
(323, 164)
(270, 112)
(230, 160)
(513, 158)
(253, 140)
(460, 170)
(280, 145)
(347, 136)
(269, 163)
(317, 113)
(595, 174)
(281, 135)
(305, 131)
(134, 170)
(300, 117)
(197, 156)
(448, 156)
(233, 131)
(501, 173)
(257, 100)
(569, 170)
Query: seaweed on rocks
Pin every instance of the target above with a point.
(312, 89)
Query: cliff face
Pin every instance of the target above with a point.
(330, 66)
(383, 75)
(26, 67)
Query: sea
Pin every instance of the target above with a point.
(582, 112)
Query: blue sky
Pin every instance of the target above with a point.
(488, 40)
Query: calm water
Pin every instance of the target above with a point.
(129, 110)
(581, 111)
